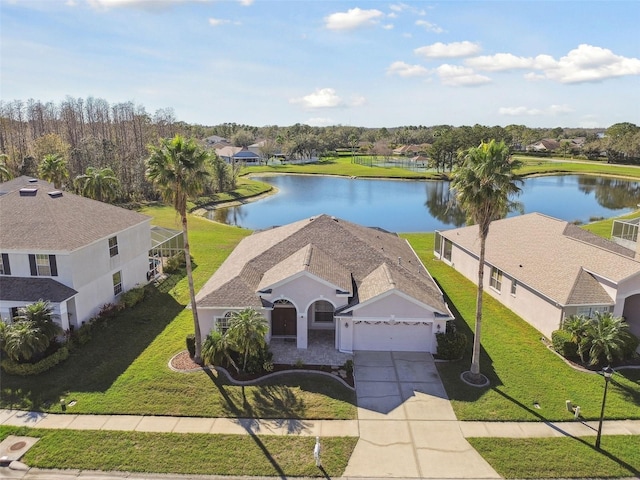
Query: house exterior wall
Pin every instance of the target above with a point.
(89, 270)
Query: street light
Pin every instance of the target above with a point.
(607, 372)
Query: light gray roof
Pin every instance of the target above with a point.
(32, 289)
(339, 252)
(547, 254)
(62, 221)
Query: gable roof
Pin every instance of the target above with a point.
(50, 220)
(548, 255)
(339, 252)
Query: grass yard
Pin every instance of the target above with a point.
(522, 370)
(123, 369)
(564, 457)
(251, 455)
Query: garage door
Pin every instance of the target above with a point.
(387, 337)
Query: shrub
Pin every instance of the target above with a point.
(348, 367)
(451, 344)
(257, 361)
(110, 310)
(191, 344)
(24, 369)
(132, 297)
(630, 346)
(82, 335)
(175, 263)
(563, 343)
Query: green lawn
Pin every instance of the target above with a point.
(123, 369)
(561, 457)
(251, 455)
(522, 370)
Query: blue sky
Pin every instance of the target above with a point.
(360, 63)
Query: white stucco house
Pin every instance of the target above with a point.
(77, 253)
(364, 284)
(545, 269)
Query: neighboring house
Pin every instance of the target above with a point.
(257, 147)
(364, 284)
(237, 154)
(411, 150)
(214, 140)
(77, 253)
(545, 269)
(544, 145)
(625, 232)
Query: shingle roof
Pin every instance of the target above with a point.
(588, 291)
(32, 289)
(337, 251)
(546, 254)
(64, 222)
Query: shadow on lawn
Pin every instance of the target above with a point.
(115, 343)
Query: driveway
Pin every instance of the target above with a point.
(407, 426)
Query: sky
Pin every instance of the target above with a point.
(322, 62)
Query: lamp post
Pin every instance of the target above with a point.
(607, 372)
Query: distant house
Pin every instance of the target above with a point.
(364, 285)
(410, 150)
(216, 140)
(77, 253)
(237, 154)
(544, 145)
(545, 269)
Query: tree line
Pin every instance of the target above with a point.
(96, 140)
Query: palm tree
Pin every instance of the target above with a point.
(216, 349)
(247, 329)
(484, 184)
(605, 338)
(5, 173)
(98, 183)
(177, 168)
(32, 332)
(53, 168)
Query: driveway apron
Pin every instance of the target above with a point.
(406, 422)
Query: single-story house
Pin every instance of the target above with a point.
(545, 269)
(237, 154)
(544, 145)
(364, 284)
(77, 253)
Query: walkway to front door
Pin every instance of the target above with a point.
(321, 350)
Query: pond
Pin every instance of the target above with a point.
(422, 206)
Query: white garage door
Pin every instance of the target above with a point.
(386, 337)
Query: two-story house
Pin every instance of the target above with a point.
(74, 252)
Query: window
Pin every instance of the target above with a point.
(113, 246)
(591, 311)
(323, 312)
(222, 323)
(117, 283)
(447, 250)
(43, 265)
(514, 286)
(496, 279)
(5, 269)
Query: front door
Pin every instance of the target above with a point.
(284, 322)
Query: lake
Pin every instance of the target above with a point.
(422, 206)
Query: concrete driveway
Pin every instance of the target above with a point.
(407, 426)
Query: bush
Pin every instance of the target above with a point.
(132, 297)
(256, 363)
(348, 367)
(451, 344)
(563, 344)
(191, 344)
(81, 335)
(24, 369)
(630, 346)
(110, 310)
(175, 263)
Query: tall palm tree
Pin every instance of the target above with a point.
(98, 183)
(5, 173)
(247, 330)
(484, 185)
(177, 169)
(53, 168)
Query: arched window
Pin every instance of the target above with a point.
(323, 312)
(222, 323)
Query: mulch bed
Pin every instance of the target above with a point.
(184, 362)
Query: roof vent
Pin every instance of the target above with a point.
(55, 193)
(33, 180)
(28, 192)
(334, 219)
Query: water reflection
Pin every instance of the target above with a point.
(421, 206)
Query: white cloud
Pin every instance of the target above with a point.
(321, 98)
(353, 18)
(458, 76)
(246, 3)
(448, 50)
(398, 7)
(405, 70)
(552, 110)
(146, 4)
(357, 101)
(583, 64)
(218, 21)
(388, 26)
(429, 27)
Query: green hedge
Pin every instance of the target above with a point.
(451, 344)
(24, 369)
(562, 343)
